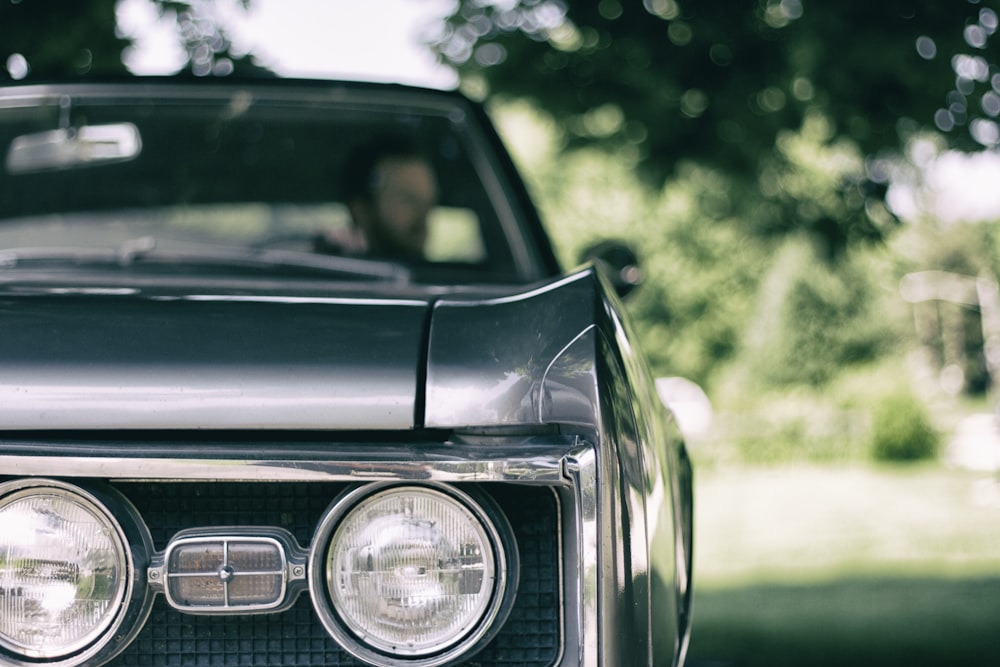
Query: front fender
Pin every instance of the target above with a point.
(561, 354)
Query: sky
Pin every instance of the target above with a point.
(352, 39)
(956, 187)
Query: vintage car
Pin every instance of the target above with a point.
(222, 443)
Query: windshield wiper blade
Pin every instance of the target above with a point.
(375, 269)
(146, 251)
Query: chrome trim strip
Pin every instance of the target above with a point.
(581, 468)
(542, 468)
(564, 540)
(338, 301)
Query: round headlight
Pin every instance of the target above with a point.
(414, 573)
(64, 569)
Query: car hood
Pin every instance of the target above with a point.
(80, 358)
(87, 359)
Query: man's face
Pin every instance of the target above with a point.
(395, 221)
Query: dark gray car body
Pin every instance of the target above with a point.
(194, 395)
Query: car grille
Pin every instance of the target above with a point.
(531, 635)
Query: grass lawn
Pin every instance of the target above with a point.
(853, 565)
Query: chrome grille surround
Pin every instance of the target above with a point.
(214, 561)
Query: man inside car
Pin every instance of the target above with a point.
(390, 189)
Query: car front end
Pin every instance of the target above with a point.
(267, 457)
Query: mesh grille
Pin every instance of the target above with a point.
(530, 637)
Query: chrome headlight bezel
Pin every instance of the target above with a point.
(504, 574)
(132, 544)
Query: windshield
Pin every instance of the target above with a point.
(236, 177)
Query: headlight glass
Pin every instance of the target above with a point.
(411, 571)
(63, 571)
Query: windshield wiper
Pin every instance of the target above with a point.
(145, 251)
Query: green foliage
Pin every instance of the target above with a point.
(867, 413)
(813, 176)
(901, 430)
(700, 266)
(813, 320)
(701, 278)
(784, 427)
(715, 292)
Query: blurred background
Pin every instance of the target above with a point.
(813, 189)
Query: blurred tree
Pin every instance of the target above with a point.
(700, 271)
(813, 319)
(720, 83)
(67, 38)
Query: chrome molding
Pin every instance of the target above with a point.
(495, 464)
(581, 468)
